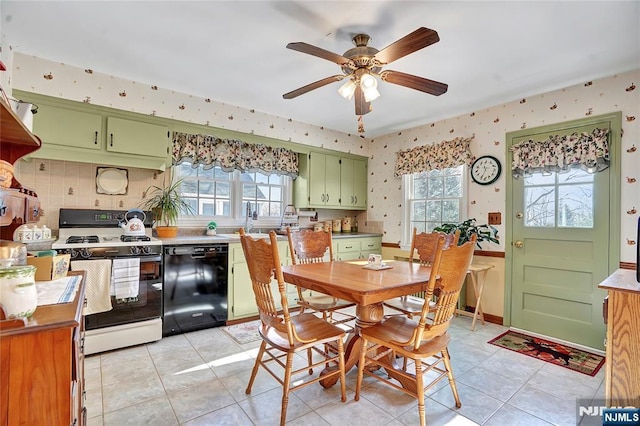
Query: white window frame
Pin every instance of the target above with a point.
(237, 217)
(407, 192)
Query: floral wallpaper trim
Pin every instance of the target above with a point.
(434, 157)
(588, 151)
(211, 151)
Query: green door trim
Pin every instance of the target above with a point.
(614, 122)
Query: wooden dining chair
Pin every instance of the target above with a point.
(308, 246)
(424, 341)
(424, 244)
(283, 335)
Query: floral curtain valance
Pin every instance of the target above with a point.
(434, 157)
(588, 151)
(211, 151)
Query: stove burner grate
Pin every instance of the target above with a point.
(129, 238)
(82, 239)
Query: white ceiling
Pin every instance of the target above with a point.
(490, 52)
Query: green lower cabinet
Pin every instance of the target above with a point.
(242, 300)
(356, 248)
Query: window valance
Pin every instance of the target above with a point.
(438, 156)
(210, 151)
(588, 151)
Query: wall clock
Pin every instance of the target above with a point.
(486, 170)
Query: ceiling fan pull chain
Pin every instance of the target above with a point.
(360, 125)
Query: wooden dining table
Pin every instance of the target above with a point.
(351, 281)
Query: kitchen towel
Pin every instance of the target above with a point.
(97, 291)
(62, 290)
(125, 278)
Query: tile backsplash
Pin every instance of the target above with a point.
(67, 184)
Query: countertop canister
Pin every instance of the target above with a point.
(18, 292)
(337, 226)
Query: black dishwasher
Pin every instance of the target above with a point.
(195, 287)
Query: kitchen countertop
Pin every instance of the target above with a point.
(235, 238)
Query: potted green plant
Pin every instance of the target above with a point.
(166, 204)
(468, 228)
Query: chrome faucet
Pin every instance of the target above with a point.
(248, 222)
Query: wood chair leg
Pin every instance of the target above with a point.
(452, 380)
(361, 365)
(420, 391)
(256, 365)
(286, 385)
(310, 360)
(341, 365)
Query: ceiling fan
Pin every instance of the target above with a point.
(361, 63)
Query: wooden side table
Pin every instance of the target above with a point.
(478, 273)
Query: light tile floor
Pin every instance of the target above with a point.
(199, 378)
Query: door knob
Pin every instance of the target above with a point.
(519, 215)
(518, 244)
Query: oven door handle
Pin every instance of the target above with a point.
(150, 259)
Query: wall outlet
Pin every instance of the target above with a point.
(495, 218)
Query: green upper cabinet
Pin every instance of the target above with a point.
(331, 181)
(136, 137)
(324, 180)
(86, 133)
(68, 127)
(353, 183)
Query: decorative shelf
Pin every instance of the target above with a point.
(17, 140)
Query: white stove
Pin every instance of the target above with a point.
(94, 234)
(95, 237)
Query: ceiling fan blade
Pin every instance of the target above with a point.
(362, 107)
(420, 38)
(414, 82)
(316, 84)
(320, 53)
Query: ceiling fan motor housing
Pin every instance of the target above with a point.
(361, 55)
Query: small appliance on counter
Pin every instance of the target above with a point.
(289, 219)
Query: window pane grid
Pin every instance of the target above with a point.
(435, 198)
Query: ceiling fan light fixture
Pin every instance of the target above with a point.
(367, 81)
(369, 86)
(347, 89)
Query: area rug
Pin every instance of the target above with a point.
(555, 353)
(245, 332)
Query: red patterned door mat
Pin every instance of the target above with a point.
(555, 353)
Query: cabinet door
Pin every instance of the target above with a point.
(12, 206)
(33, 210)
(317, 173)
(332, 181)
(347, 198)
(135, 137)
(244, 302)
(360, 183)
(61, 126)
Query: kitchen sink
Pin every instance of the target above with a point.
(237, 236)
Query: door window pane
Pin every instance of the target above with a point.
(575, 206)
(563, 200)
(540, 206)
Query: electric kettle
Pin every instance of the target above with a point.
(133, 224)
